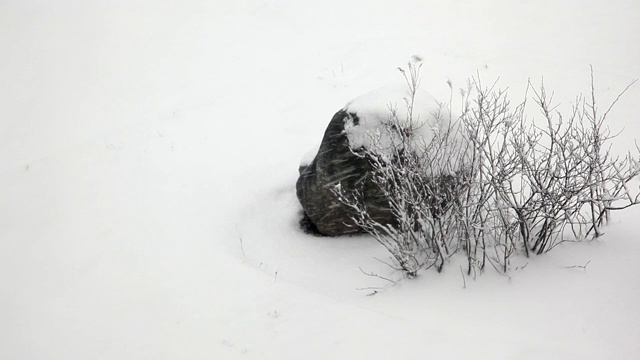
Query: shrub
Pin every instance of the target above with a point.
(491, 183)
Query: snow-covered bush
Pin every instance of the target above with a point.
(488, 183)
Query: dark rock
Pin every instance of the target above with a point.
(335, 163)
(307, 226)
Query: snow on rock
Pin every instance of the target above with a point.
(308, 157)
(393, 104)
(375, 109)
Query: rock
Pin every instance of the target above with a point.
(351, 128)
(333, 164)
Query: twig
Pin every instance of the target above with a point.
(375, 288)
(464, 281)
(241, 243)
(618, 97)
(584, 267)
(389, 265)
(376, 275)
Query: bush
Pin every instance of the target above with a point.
(490, 183)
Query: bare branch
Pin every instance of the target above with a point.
(376, 275)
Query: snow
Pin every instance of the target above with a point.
(378, 107)
(148, 159)
(310, 155)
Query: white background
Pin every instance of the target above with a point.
(148, 159)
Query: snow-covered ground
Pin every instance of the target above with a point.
(148, 159)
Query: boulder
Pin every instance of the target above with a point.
(333, 164)
(351, 128)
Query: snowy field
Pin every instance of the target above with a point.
(148, 159)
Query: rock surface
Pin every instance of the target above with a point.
(335, 163)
